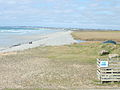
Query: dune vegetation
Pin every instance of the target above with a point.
(55, 67)
(97, 35)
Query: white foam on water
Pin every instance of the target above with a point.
(15, 31)
(9, 37)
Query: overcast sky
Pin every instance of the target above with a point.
(61, 13)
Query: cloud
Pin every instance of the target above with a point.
(94, 5)
(95, 12)
(11, 2)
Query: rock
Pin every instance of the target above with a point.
(30, 42)
(104, 52)
(113, 56)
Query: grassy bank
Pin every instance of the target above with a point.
(57, 67)
(97, 35)
(69, 66)
(83, 53)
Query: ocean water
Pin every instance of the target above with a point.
(11, 36)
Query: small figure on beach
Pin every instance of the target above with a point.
(30, 42)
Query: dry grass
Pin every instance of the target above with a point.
(97, 35)
(59, 67)
(8, 53)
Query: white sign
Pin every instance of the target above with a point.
(103, 63)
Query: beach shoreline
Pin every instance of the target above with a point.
(54, 39)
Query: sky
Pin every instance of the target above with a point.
(97, 14)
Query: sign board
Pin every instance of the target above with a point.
(103, 63)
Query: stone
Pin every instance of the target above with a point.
(104, 52)
(113, 56)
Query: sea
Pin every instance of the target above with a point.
(14, 35)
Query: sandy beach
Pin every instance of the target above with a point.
(55, 39)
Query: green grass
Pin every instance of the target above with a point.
(77, 53)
